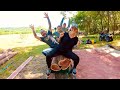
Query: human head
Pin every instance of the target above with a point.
(74, 30)
(55, 28)
(64, 25)
(74, 27)
(59, 28)
(43, 32)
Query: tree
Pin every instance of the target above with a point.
(96, 21)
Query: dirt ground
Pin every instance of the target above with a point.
(18, 40)
(97, 63)
(35, 69)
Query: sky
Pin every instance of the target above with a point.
(25, 18)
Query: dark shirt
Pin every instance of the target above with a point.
(65, 29)
(56, 34)
(48, 39)
(67, 43)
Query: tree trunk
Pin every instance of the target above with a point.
(7, 58)
(5, 53)
(61, 74)
(108, 14)
(114, 20)
(114, 28)
(101, 18)
(2, 56)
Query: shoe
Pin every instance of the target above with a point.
(55, 67)
(73, 71)
(48, 72)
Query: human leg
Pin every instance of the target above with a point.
(75, 59)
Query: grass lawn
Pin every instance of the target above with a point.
(115, 42)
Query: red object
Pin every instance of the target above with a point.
(95, 65)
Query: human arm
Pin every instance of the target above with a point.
(61, 35)
(34, 33)
(78, 43)
(62, 21)
(49, 22)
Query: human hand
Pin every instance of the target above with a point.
(46, 15)
(61, 34)
(31, 26)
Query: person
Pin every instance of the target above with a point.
(64, 28)
(46, 36)
(56, 34)
(61, 28)
(88, 41)
(65, 46)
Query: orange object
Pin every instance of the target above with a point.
(92, 41)
(64, 63)
(55, 67)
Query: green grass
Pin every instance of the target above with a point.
(23, 54)
(116, 40)
(20, 30)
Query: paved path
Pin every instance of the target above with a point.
(95, 65)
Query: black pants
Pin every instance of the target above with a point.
(47, 51)
(67, 54)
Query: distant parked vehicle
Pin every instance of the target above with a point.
(106, 37)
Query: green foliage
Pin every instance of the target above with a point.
(93, 22)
